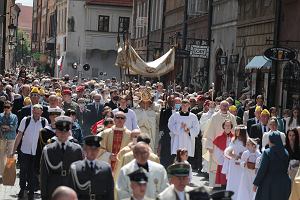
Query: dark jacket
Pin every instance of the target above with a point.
(272, 178)
(102, 182)
(53, 178)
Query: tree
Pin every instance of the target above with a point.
(23, 51)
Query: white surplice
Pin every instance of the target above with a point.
(181, 138)
(234, 169)
(245, 191)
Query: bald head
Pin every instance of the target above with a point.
(141, 152)
(64, 193)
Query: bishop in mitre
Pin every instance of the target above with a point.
(148, 117)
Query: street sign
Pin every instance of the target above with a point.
(197, 51)
(182, 53)
(280, 54)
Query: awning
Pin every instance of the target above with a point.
(259, 62)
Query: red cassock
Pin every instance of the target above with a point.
(221, 142)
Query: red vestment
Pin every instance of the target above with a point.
(116, 146)
(221, 142)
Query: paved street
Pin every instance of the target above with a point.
(9, 192)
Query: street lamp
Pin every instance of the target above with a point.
(11, 45)
(12, 30)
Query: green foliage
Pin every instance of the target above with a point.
(22, 51)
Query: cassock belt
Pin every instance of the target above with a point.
(90, 196)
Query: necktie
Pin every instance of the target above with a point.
(92, 166)
(63, 147)
(265, 129)
(97, 108)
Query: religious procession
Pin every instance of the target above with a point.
(128, 140)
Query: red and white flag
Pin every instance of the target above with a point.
(59, 63)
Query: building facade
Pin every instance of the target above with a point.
(92, 31)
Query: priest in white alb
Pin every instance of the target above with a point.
(214, 128)
(184, 127)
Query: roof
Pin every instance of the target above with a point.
(127, 3)
(25, 18)
(259, 62)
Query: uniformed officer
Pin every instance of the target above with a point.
(92, 178)
(57, 158)
(179, 178)
(138, 184)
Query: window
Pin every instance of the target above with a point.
(123, 24)
(52, 26)
(103, 23)
(197, 7)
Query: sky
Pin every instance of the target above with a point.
(25, 2)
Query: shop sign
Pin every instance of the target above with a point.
(280, 54)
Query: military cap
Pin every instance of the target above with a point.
(39, 106)
(179, 169)
(35, 90)
(199, 193)
(222, 195)
(138, 176)
(56, 111)
(67, 92)
(63, 123)
(92, 140)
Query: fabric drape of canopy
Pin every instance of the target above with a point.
(128, 58)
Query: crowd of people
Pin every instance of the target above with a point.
(106, 139)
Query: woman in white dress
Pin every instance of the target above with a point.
(234, 152)
(248, 161)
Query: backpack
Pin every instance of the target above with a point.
(27, 122)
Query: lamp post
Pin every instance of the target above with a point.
(22, 44)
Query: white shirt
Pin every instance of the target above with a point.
(131, 121)
(181, 195)
(31, 135)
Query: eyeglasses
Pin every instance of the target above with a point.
(6, 107)
(117, 117)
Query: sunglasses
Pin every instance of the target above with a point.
(117, 117)
(35, 95)
(55, 113)
(6, 106)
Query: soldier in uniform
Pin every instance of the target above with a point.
(47, 132)
(138, 184)
(179, 174)
(57, 158)
(92, 178)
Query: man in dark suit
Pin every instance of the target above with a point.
(18, 102)
(166, 159)
(257, 130)
(57, 158)
(254, 120)
(96, 109)
(27, 110)
(259, 102)
(92, 178)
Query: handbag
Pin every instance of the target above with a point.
(9, 174)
